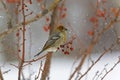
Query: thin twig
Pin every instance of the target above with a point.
(34, 60)
(23, 41)
(101, 72)
(106, 51)
(40, 69)
(111, 69)
(37, 17)
(14, 65)
(92, 44)
(6, 71)
(95, 75)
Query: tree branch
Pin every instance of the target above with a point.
(1, 76)
(37, 17)
(93, 43)
(46, 69)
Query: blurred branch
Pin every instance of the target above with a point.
(43, 4)
(47, 64)
(93, 63)
(46, 70)
(90, 48)
(1, 76)
(54, 21)
(37, 17)
(6, 71)
(55, 18)
(8, 14)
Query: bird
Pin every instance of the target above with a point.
(57, 38)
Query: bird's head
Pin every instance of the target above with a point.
(62, 28)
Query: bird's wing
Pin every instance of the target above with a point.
(52, 39)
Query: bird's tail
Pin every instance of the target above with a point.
(38, 54)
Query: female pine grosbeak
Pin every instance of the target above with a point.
(56, 39)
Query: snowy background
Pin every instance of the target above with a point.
(78, 13)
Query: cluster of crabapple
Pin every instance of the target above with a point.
(66, 48)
